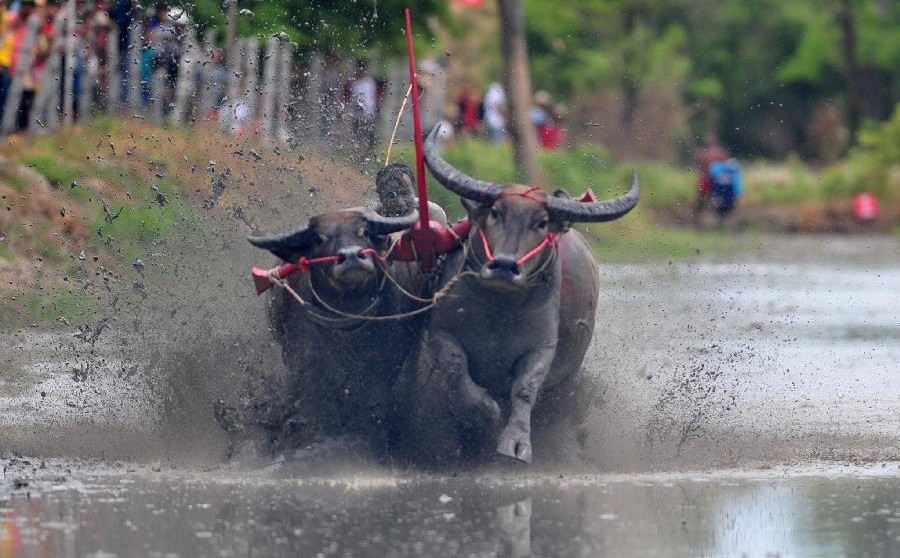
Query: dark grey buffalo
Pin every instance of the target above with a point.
(341, 362)
(516, 325)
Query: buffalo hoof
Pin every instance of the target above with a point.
(516, 443)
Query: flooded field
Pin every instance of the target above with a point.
(747, 406)
(809, 511)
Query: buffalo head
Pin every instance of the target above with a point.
(350, 237)
(515, 226)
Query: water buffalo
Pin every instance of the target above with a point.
(341, 364)
(517, 324)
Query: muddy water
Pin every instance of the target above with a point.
(747, 406)
(812, 511)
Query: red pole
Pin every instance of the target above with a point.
(417, 126)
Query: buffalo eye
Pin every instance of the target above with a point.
(543, 223)
(320, 238)
(361, 232)
(494, 214)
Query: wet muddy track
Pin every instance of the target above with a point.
(735, 395)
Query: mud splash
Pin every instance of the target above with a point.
(704, 364)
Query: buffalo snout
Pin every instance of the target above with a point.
(503, 269)
(355, 265)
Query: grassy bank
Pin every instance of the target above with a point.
(789, 196)
(82, 210)
(87, 208)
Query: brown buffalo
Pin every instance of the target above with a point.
(515, 326)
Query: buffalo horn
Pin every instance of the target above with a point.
(566, 209)
(380, 225)
(454, 180)
(287, 246)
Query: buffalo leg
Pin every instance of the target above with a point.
(442, 403)
(515, 439)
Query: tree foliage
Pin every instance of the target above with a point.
(348, 26)
(756, 70)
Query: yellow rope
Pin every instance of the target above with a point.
(387, 156)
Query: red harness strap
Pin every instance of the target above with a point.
(261, 277)
(304, 263)
(526, 194)
(549, 240)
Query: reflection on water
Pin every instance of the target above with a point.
(766, 515)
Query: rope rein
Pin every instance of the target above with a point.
(430, 302)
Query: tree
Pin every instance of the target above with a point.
(517, 81)
(336, 25)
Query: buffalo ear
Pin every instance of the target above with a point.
(287, 246)
(561, 227)
(474, 209)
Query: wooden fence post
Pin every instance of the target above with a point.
(45, 110)
(68, 104)
(135, 44)
(209, 83)
(17, 87)
(285, 98)
(251, 77)
(233, 65)
(311, 118)
(184, 88)
(270, 68)
(89, 74)
(113, 77)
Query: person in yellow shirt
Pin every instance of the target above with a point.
(8, 22)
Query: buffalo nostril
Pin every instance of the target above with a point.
(351, 254)
(508, 265)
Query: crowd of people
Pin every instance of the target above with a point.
(34, 32)
(487, 116)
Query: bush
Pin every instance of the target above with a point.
(873, 166)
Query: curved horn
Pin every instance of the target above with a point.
(565, 209)
(287, 246)
(454, 180)
(381, 225)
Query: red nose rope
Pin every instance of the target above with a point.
(549, 240)
(262, 278)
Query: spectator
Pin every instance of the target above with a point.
(38, 59)
(542, 110)
(329, 101)
(495, 113)
(125, 14)
(11, 24)
(167, 55)
(709, 153)
(362, 94)
(468, 103)
(548, 121)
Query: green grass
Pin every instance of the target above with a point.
(13, 179)
(139, 224)
(75, 306)
(57, 172)
(638, 236)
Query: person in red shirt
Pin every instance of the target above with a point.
(467, 118)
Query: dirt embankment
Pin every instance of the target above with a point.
(82, 211)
